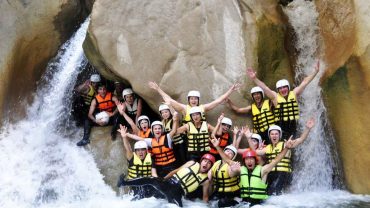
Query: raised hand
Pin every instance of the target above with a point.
(236, 130)
(123, 130)
(121, 107)
(219, 120)
(235, 86)
(247, 132)
(153, 85)
(235, 166)
(310, 123)
(214, 141)
(251, 73)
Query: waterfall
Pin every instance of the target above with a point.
(315, 159)
(39, 164)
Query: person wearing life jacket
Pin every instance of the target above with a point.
(140, 164)
(179, 182)
(253, 176)
(193, 101)
(86, 93)
(280, 176)
(285, 100)
(177, 140)
(224, 177)
(198, 132)
(222, 131)
(161, 146)
(254, 142)
(261, 110)
(103, 102)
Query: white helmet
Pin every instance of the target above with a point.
(195, 109)
(142, 118)
(140, 145)
(275, 127)
(233, 149)
(282, 83)
(194, 93)
(95, 78)
(257, 89)
(227, 121)
(156, 123)
(258, 137)
(102, 117)
(163, 107)
(127, 91)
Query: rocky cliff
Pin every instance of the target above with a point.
(206, 45)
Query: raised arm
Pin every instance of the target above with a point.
(238, 136)
(268, 167)
(175, 123)
(268, 92)
(135, 137)
(218, 130)
(121, 109)
(182, 129)
(213, 104)
(309, 124)
(84, 87)
(237, 109)
(139, 108)
(167, 99)
(224, 157)
(298, 90)
(126, 143)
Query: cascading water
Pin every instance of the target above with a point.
(315, 163)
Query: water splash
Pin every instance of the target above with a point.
(316, 167)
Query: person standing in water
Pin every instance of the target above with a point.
(285, 100)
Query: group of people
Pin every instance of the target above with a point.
(192, 158)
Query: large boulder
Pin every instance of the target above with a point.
(31, 33)
(187, 45)
(346, 34)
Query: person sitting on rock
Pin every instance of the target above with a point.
(280, 176)
(198, 132)
(161, 146)
(103, 102)
(87, 92)
(222, 131)
(193, 101)
(262, 113)
(133, 104)
(180, 182)
(285, 100)
(140, 164)
(178, 142)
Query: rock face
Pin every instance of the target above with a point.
(346, 34)
(206, 45)
(187, 45)
(30, 33)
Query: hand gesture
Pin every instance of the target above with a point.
(215, 141)
(153, 85)
(236, 130)
(251, 73)
(87, 83)
(247, 132)
(235, 87)
(261, 145)
(310, 123)
(235, 166)
(219, 120)
(121, 108)
(289, 144)
(123, 131)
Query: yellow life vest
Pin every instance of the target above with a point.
(286, 109)
(198, 140)
(187, 118)
(262, 118)
(140, 168)
(177, 139)
(251, 184)
(190, 178)
(89, 96)
(222, 181)
(285, 164)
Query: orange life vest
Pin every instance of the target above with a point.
(145, 134)
(162, 154)
(223, 143)
(106, 103)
